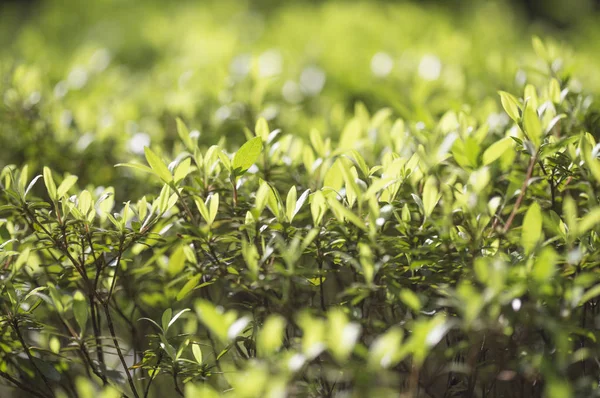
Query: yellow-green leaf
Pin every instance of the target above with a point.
(497, 149)
(532, 125)
(510, 105)
(247, 155)
(50, 185)
(159, 168)
(532, 228)
(65, 185)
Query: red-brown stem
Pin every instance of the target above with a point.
(521, 194)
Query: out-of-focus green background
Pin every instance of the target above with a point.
(87, 84)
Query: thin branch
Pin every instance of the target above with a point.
(15, 327)
(22, 386)
(521, 194)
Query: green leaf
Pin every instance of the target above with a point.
(65, 185)
(342, 334)
(213, 208)
(176, 317)
(177, 261)
(510, 105)
(588, 221)
(385, 351)
(136, 166)
(166, 318)
(213, 318)
(410, 299)
(247, 155)
(84, 202)
(317, 142)
(184, 135)
(346, 213)
(318, 207)
(497, 149)
(159, 168)
(188, 287)
(590, 294)
(197, 353)
(532, 228)
(544, 267)
(80, 310)
(50, 185)
(532, 125)
(182, 170)
(270, 336)
(290, 203)
(203, 209)
(554, 91)
(431, 195)
(262, 129)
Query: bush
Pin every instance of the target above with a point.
(405, 251)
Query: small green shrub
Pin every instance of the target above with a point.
(422, 222)
(457, 259)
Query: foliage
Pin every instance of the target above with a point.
(424, 248)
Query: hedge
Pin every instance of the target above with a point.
(258, 246)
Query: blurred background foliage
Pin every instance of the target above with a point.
(86, 85)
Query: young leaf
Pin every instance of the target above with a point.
(290, 203)
(188, 287)
(588, 221)
(80, 310)
(136, 166)
(213, 208)
(85, 202)
(184, 134)
(299, 203)
(496, 150)
(202, 209)
(544, 267)
(50, 185)
(532, 228)
(345, 213)
(318, 207)
(166, 318)
(317, 142)
(247, 155)
(31, 184)
(532, 125)
(262, 129)
(65, 185)
(270, 336)
(159, 168)
(177, 261)
(176, 316)
(510, 105)
(197, 353)
(410, 299)
(430, 195)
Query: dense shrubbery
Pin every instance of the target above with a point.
(436, 238)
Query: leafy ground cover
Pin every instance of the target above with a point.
(225, 199)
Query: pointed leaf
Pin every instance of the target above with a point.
(50, 185)
(532, 228)
(159, 168)
(65, 185)
(496, 150)
(247, 155)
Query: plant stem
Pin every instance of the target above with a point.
(521, 194)
(113, 334)
(15, 326)
(153, 375)
(21, 385)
